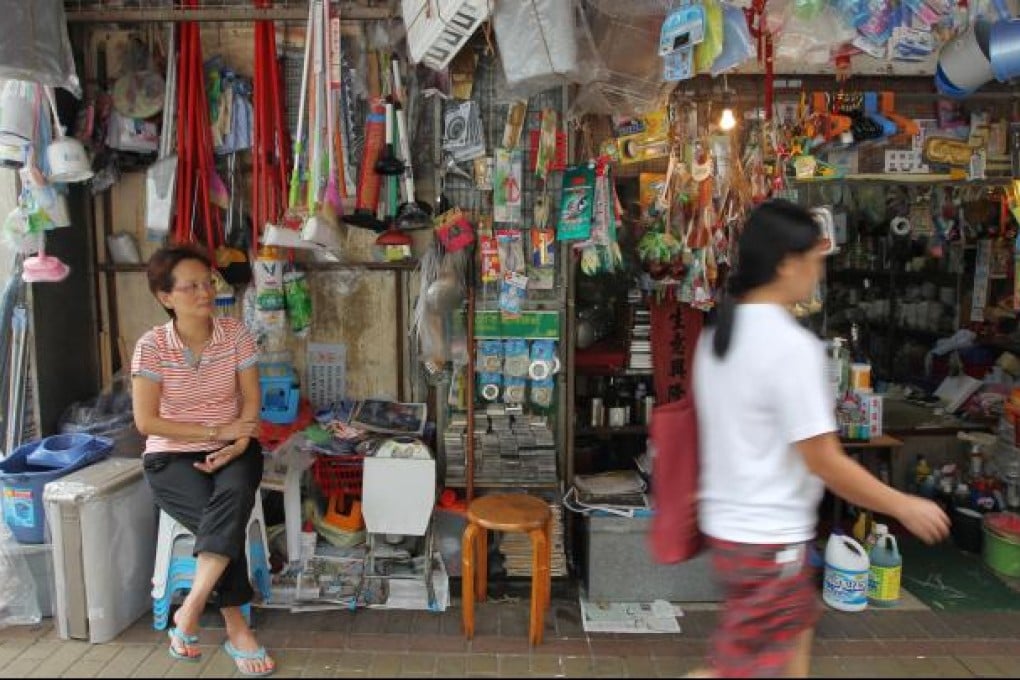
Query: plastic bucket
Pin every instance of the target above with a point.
(947, 88)
(22, 483)
(964, 60)
(68, 161)
(1004, 50)
(1001, 554)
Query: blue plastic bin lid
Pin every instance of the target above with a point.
(66, 450)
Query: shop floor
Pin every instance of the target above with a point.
(948, 579)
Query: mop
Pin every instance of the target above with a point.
(16, 384)
(13, 295)
(332, 203)
(299, 131)
(412, 214)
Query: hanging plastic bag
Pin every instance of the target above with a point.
(19, 602)
(36, 46)
(738, 46)
(709, 49)
(538, 45)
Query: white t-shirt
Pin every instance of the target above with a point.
(768, 392)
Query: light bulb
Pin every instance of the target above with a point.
(727, 121)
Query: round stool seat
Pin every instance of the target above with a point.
(509, 512)
(514, 513)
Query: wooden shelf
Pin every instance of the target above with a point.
(607, 432)
(481, 484)
(408, 265)
(939, 277)
(1003, 342)
(292, 12)
(902, 178)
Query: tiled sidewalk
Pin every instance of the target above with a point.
(374, 643)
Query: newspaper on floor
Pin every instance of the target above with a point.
(413, 593)
(628, 617)
(325, 582)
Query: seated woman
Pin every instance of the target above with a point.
(195, 393)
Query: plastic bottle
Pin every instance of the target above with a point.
(846, 574)
(309, 538)
(885, 570)
(862, 526)
(878, 530)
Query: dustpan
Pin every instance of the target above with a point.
(393, 245)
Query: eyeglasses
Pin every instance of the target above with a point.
(193, 288)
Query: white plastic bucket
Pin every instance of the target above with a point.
(846, 574)
(17, 112)
(68, 160)
(964, 59)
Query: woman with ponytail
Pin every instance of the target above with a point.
(769, 446)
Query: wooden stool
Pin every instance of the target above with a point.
(516, 513)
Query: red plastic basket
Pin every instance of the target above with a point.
(338, 474)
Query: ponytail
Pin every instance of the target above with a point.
(773, 230)
(725, 316)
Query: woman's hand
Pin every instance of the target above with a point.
(237, 429)
(220, 458)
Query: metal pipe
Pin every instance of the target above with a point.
(351, 13)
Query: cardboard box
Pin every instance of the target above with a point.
(872, 403)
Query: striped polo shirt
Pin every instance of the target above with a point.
(205, 392)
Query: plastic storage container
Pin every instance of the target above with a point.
(25, 473)
(618, 566)
(104, 525)
(845, 584)
(1002, 543)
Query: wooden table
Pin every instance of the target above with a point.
(857, 449)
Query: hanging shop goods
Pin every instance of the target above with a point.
(269, 137)
(195, 176)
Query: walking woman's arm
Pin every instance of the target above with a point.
(825, 457)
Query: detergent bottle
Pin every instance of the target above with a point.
(846, 574)
(885, 570)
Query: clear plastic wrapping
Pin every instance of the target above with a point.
(19, 603)
(35, 44)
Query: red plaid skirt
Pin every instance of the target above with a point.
(769, 600)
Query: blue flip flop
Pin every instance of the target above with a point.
(176, 633)
(237, 655)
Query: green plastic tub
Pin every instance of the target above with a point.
(1001, 554)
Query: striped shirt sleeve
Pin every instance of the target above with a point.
(146, 362)
(246, 352)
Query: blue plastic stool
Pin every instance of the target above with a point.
(182, 573)
(175, 564)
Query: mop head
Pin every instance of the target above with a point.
(44, 269)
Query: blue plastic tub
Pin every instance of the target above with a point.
(32, 466)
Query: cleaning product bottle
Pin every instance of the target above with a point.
(846, 574)
(878, 530)
(863, 526)
(885, 570)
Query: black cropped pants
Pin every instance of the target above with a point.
(215, 507)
